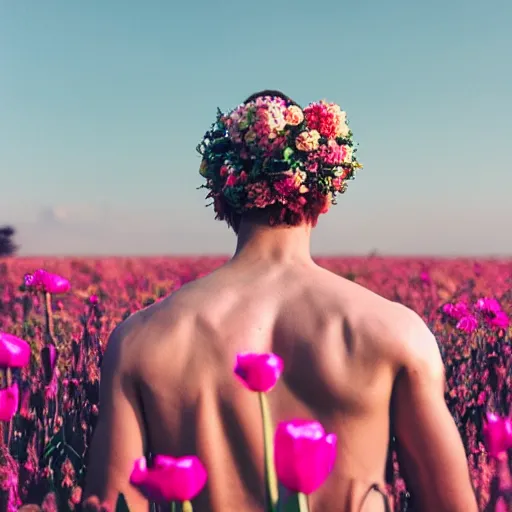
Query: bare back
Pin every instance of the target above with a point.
(342, 348)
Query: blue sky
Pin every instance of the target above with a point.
(102, 105)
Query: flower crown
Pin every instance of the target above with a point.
(269, 151)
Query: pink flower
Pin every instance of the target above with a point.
(332, 153)
(9, 398)
(327, 118)
(44, 281)
(467, 324)
(497, 434)
(258, 372)
(14, 352)
(500, 320)
(93, 299)
(456, 311)
(425, 277)
(231, 180)
(304, 455)
(169, 479)
(259, 195)
(286, 186)
(487, 305)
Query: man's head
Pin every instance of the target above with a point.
(270, 160)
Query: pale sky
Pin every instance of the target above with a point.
(103, 103)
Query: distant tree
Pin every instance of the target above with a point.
(7, 247)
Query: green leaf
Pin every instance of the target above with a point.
(287, 154)
(121, 505)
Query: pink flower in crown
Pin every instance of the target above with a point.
(337, 183)
(312, 164)
(259, 195)
(265, 100)
(467, 324)
(332, 153)
(231, 180)
(286, 186)
(327, 118)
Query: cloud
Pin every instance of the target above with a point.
(91, 229)
(87, 229)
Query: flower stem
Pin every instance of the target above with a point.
(187, 506)
(49, 317)
(8, 382)
(270, 472)
(303, 502)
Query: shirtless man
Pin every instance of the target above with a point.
(353, 360)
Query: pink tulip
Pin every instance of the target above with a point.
(14, 352)
(467, 324)
(304, 455)
(258, 372)
(9, 398)
(44, 281)
(170, 479)
(497, 434)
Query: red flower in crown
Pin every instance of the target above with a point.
(327, 118)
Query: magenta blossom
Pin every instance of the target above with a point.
(258, 372)
(425, 277)
(169, 479)
(44, 281)
(456, 311)
(9, 398)
(489, 306)
(304, 455)
(467, 324)
(500, 319)
(497, 434)
(14, 352)
(93, 300)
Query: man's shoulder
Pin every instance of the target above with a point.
(417, 347)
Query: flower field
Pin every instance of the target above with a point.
(43, 447)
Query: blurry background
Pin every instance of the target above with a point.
(102, 105)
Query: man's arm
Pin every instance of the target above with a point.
(119, 435)
(430, 450)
